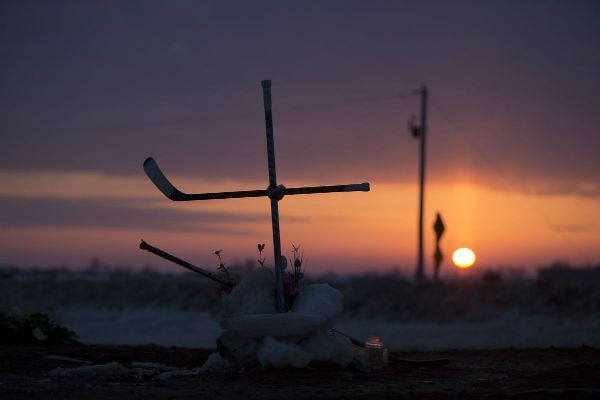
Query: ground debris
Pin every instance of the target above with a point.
(137, 369)
(487, 374)
(65, 358)
(91, 371)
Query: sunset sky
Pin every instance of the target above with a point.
(90, 89)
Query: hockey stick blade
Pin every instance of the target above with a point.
(161, 182)
(166, 187)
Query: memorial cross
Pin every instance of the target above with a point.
(274, 192)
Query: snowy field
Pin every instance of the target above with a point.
(168, 327)
(560, 307)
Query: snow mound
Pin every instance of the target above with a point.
(276, 325)
(280, 354)
(253, 295)
(216, 363)
(255, 336)
(330, 347)
(320, 299)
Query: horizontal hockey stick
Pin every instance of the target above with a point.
(168, 189)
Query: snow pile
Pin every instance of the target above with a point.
(140, 370)
(256, 336)
(92, 371)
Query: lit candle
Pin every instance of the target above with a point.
(377, 354)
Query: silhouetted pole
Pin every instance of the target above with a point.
(274, 196)
(420, 131)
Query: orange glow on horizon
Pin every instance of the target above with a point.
(344, 232)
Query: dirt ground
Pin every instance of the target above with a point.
(539, 374)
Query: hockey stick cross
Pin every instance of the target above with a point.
(274, 192)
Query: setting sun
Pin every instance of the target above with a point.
(463, 257)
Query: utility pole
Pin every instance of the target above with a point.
(419, 130)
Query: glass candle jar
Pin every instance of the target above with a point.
(377, 354)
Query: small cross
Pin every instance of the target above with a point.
(274, 191)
